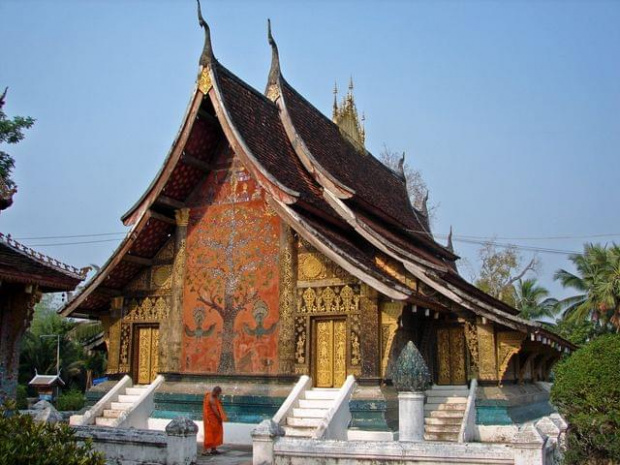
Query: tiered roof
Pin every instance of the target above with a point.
(344, 202)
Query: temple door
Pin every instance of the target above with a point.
(147, 339)
(451, 355)
(330, 352)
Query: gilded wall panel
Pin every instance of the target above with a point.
(508, 344)
(316, 270)
(112, 332)
(288, 268)
(369, 309)
(124, 362)
(390, 313)
(486, 352)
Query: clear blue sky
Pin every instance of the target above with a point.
(511, 110)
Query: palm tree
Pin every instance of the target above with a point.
(533, 301)
(597, 282)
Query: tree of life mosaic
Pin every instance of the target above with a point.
(231, 284)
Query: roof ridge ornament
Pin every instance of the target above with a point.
(449, 245)
(206, 58)
(272, 90)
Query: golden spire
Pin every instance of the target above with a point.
(347, 119)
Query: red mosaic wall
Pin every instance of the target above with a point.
(230, 309)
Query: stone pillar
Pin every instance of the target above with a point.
(263, 439)
(288, 283)
(369, 309)
(16, 310)
(171, 329)
(182, 448)
(411, 416)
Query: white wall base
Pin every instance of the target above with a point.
(360, 435)
(234, 433)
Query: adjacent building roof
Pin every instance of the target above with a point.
(46, 381)
(334, 194)
(21, 264)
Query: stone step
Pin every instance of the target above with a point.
(439, 387)
(453, 414)
(298, 432)
(446, 437)
(442, 428)
(453, 407)
(128, 399)
(447, 393)
(443, 421)
(309, 413)
(109, 413)
(102, 421)
(135, 391)
(313, 394)
(325, 404)
(303, 422)
(446, 400)
(120, 405)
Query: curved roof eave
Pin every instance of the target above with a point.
(116, 257)
(265, 178)
(393, 290)
(174, 154)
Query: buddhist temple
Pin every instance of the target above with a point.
(272, 244)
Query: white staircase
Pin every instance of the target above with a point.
(126, 400)
(313, 407)
(443, 412)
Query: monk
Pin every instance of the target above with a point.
(212, 417)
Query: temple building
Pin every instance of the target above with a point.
(272, 244)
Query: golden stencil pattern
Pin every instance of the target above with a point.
(114, 336)
(161, 277)
(331, 299)
(508, 344)
(369, 338)
(204, 81)
(125, 347)
(396, 270)
(178, 272)
(355, 349)
(144, 355)
(166, 252)
(149, 309)
(324, 354)
(313, 266)
(287, 341)
(486, 353)
(457, 353)
(340, 352)
(154, 353)
(300, 341)
(443, 355)
(471, 338)
(139, 283)
(390, 311)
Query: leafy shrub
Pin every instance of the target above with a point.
(70, 400)
(22, 441)
(22, 397)
(587, 393)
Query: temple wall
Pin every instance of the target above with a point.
(231, 287)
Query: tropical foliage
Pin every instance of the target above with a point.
(533, 301)
(42, 443)
(11, 132)
(587, 393)
(38, 352)
(597, 282)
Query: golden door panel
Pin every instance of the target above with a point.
(330, 354)
(451, 356)
(148, 342)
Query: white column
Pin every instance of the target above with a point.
(411, 416)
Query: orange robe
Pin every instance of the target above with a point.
(214, 430)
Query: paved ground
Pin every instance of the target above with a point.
(230, 455)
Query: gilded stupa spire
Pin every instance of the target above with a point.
(346, 117)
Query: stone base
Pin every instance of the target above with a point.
(411, 416)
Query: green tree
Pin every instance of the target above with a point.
(11, 132)
(586, 392)
(500, 269)
(533, 301)
(597, 282)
